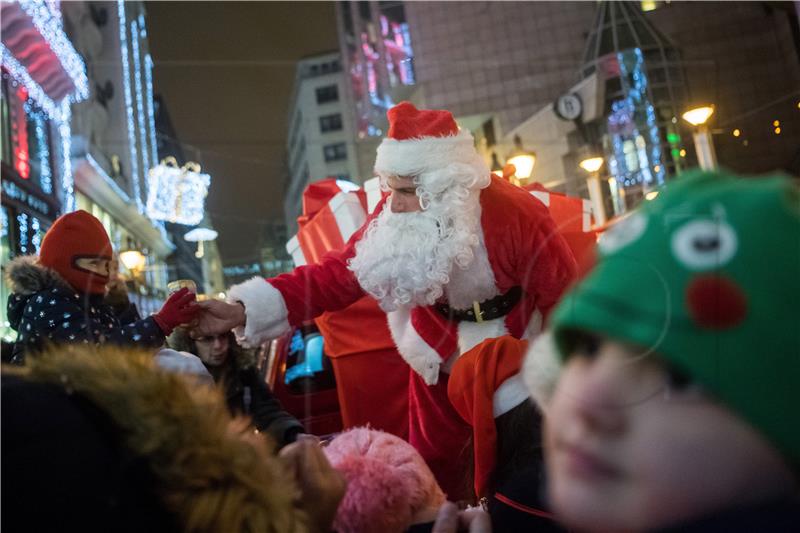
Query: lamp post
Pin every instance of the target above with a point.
(523, 160)
(592, 166)
(201, 235)
(703, 143)
(497, 168)
(133, 260)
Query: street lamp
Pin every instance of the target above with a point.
(523, 160)
(703, 143)
(592, 166)
(497, 168)
(200, 235)
(133, 260)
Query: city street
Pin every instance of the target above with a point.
(328, 266)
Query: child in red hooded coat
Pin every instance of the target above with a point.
(57, 297)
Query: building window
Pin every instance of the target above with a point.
(335, 152)
(6, 120)
(330, 123)
(26, 136)
(329, 93)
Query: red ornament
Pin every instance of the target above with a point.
(715, 302)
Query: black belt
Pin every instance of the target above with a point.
(500, 305)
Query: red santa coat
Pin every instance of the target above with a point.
(519, 246)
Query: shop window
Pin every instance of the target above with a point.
(38, 132)
(330, 123)
(5, 116)
(8, 334)
(26, 136)
(335, 152)
(329, 93)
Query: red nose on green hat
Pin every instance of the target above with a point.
(74, 236)
(707, 276)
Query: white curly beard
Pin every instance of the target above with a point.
(406, 259)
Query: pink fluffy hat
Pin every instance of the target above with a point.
(388, 482)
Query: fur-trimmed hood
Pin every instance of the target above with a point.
(25, 276)
(207, 472)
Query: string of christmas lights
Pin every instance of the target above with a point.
(151, 115)
(45, 173)
(67, 181)
(47, 20)
(140, 104)
(35, 90)
(126, 77)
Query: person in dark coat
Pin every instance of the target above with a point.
(233, 368)
(58, 297)
(102, 439)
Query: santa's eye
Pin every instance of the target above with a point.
(622, 233)
(704, 244)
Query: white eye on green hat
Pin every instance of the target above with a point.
(707, 276)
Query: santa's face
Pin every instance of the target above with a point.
(404, 197)
(407, 253)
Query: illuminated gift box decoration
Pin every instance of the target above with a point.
(175, 194)
(332, 212)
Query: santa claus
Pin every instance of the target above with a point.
(453, 255)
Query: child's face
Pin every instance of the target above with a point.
(631, 445)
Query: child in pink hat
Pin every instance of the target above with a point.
(389, 486)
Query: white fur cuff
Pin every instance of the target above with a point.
(265, 309)
(541, 369)
(423, 359)
(509, 395)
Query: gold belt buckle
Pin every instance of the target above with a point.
(476, 308)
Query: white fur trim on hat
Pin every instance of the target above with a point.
(541, 368)
(265, 310)
(414, 350)
(509, 394)
(411, 157)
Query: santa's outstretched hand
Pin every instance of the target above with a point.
(217, 317)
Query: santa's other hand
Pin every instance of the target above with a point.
(217, 317)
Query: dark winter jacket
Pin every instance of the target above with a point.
(44, 309)
(771, 517)
(518, 504)
(246, 393)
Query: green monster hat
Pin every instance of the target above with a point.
(707, 276)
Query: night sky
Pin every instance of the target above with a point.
(225, 71)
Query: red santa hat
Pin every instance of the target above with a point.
(484, 384)
(426, 141)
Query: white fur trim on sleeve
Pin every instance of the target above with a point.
(509, 394)
(265, 309)
(541, 369)
(414, 350)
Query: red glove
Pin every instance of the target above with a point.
(180, 308)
